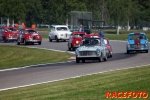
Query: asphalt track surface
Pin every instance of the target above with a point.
(39, 74)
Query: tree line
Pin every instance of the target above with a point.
(113, 12)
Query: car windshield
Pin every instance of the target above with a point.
(90, 42)
(137, 36)
(10, 29)
(78, 35)
(105, 41)
(30, 32)
(62, 29)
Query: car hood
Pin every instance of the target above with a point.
(63, 32)
(137, 41)
(89, 48)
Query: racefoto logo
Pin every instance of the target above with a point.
(127, 94)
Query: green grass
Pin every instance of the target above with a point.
(111, 34)
(14, 56)
(91, 87)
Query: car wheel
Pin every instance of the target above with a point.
(5, 40)
(18, 43)
(105, 58)
(110, 54)
(57, 40)
(100, 58)
(25, 42)
(83, 61)
(69, 48)
(50, 40)
(39, 43)
(77, 60)
(128, 51)
(146, 51)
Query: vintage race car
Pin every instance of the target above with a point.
(75, 39)
(137, 42)
(59, 32)
(91, 49)
(8, 33)
(108, 46)
(29, 35)
(92, 35)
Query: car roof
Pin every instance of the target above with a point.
(8, 27)
(78, 32)
(28, 29)
(91, 35)
(132, 33)
(59, 26)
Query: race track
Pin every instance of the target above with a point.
(59, 71)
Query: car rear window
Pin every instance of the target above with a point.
(137, 36)
(61, 28)
(30, 31)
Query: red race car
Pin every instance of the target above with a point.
(29, 35)
(8, 33)
(75, 39)
(109, 47)
(92, 35)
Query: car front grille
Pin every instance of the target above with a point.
(87, 53)
(137, 45)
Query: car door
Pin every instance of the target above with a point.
(20, 36)
(104, 51)
(52, 33)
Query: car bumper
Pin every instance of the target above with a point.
(34, 41)
(138, 49)
(88, 58)
(11, 38)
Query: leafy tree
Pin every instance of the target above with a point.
(13, 9)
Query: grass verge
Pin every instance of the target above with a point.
(91, 87)
(111, 34)
(14, 56)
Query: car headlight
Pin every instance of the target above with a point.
(128, 45)
(77, 42)
(77, 52)
(98, 51)
(146, 44)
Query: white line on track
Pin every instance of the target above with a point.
(68, 78)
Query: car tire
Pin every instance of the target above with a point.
(100, 58)
(146, 51)
(39, 43)
(83, 61)
(18, 43)
(128, 51)
(69, 48)
(25, 42)
(110, 54)
(5, 40)
(50, 40)
(77, 60)
(105, 58)
(56, 38)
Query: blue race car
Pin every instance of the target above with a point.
(137, 42)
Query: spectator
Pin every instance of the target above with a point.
(101, 33)
(81, 29)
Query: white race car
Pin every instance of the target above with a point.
(59, 32)
(90, 49)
